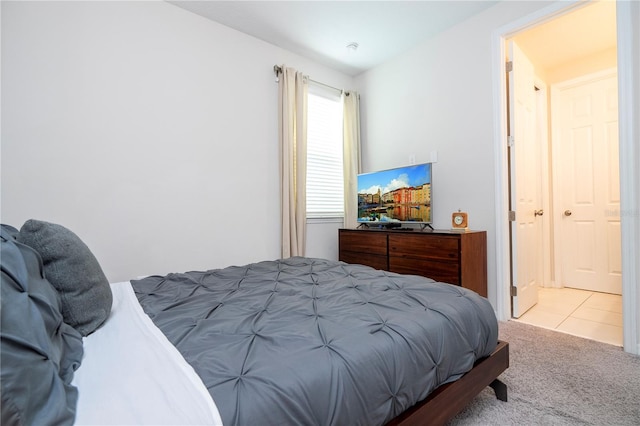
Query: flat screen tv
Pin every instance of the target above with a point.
(390, 198)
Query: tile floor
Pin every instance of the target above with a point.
(596, 316)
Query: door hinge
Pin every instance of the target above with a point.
(512, 216)
(514, 291)
(511, 141)
(509, 66)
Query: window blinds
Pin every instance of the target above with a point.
(325, 187)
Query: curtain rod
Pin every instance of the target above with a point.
(277, 69)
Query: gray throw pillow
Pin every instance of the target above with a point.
(74, 271)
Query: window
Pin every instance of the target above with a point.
(325, 187)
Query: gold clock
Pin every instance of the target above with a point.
(460, 221)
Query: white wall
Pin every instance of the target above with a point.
(438, 97)
(149, 131)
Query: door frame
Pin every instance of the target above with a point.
(627, 17)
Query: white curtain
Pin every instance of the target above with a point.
(351, 156)
(292, 128)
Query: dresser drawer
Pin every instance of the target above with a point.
(433, 247)
(444, 271)
(363, 242)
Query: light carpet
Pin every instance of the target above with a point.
(559, 379)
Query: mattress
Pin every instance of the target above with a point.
(132, 375)
(312, 341)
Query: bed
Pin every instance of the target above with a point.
(287, 341)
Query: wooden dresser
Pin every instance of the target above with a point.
(452, 257)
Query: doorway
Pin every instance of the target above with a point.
(586, 215)
(590, 61)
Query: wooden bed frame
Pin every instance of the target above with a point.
(449, 399)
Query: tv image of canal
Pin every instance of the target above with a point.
(396, 195)
(395, 213)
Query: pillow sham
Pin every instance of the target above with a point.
(38, 351)
(74, 271)
(9, 232)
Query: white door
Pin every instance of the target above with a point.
(525, 197)
(587, 217)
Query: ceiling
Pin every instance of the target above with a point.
(586, 31)
(321, 30)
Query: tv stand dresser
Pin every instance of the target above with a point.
(452, 257)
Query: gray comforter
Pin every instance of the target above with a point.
(305, 341)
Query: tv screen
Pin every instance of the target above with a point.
(395, 196)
